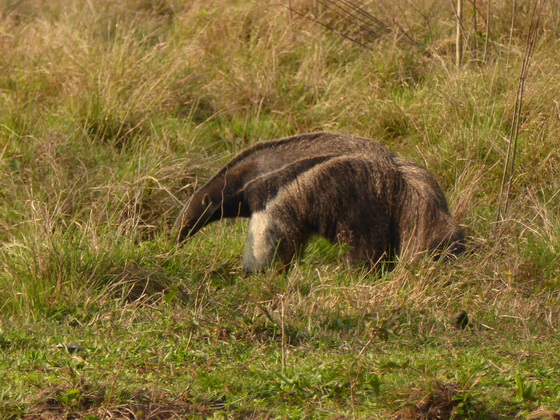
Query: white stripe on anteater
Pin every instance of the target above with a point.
(260, 246)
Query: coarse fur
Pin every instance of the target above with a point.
(348, 189)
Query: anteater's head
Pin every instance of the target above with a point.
(221, 197)
(200, 210)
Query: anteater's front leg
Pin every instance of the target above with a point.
(262, 241)
(268, 242)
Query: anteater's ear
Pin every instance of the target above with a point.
(206, 201)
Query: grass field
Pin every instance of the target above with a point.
(111, 112)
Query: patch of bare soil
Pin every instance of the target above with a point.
(147, 405)
(542, 414)
(438, 403)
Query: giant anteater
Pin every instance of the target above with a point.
(347, 189)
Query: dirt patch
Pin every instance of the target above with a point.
(439, 402)
(544, 415)
(58, 403)
(158, 405)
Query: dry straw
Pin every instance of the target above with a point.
(511, 153)
(459, 46)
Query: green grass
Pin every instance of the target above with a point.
(111, 113)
